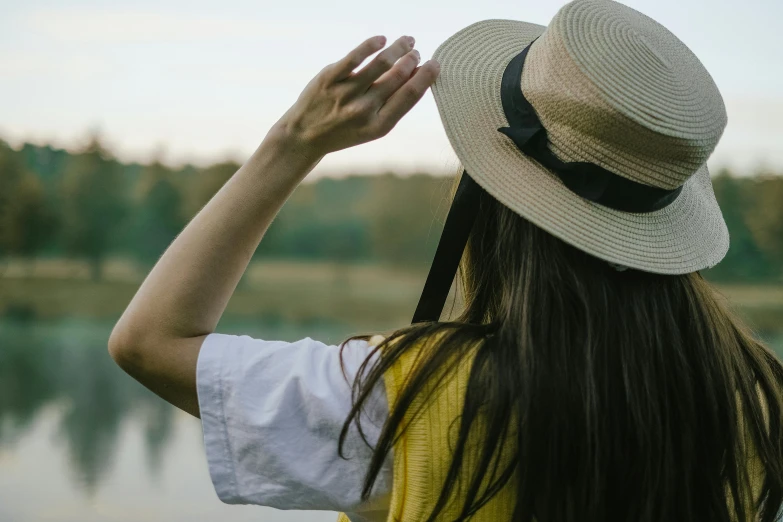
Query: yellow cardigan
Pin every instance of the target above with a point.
(422, 455)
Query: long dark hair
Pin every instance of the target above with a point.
(623, 387)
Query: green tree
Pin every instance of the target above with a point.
(406, 217)
(765, 215)
(94, 203)
(158, 217)
(26, 221)
(744, 261)
(11, 173)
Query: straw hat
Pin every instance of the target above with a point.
(617, 118)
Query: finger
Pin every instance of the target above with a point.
(345, 66)
(395, 77)
(407, 96)
(383, 62)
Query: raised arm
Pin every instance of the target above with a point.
(158, 337)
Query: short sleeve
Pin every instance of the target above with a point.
(272, 412)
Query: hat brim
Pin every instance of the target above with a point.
(685, 236)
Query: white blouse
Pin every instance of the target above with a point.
(271, 414)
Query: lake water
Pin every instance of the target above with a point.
(82, 441)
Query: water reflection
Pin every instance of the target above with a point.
(68, 364)
(59, 377)
(27, 378)
(63, 398)
(157, 432)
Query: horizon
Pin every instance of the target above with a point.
(190, 83)
(338, 173)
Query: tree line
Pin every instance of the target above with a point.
(86, 204)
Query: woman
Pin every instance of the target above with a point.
(594, 375)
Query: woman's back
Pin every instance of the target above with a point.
(616, 393)
(424, 451)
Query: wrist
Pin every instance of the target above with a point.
(288, 140)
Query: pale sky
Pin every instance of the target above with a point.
(202, 81)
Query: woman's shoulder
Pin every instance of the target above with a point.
(376, 339)
(421, 339)
(409, 352)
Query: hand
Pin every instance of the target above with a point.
(339, 108)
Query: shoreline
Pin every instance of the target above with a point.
(370, 295)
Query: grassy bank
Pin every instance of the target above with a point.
(369, 296)
(363, 295)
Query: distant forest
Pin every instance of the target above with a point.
(88, 205)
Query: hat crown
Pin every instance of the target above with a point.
(615, 88)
